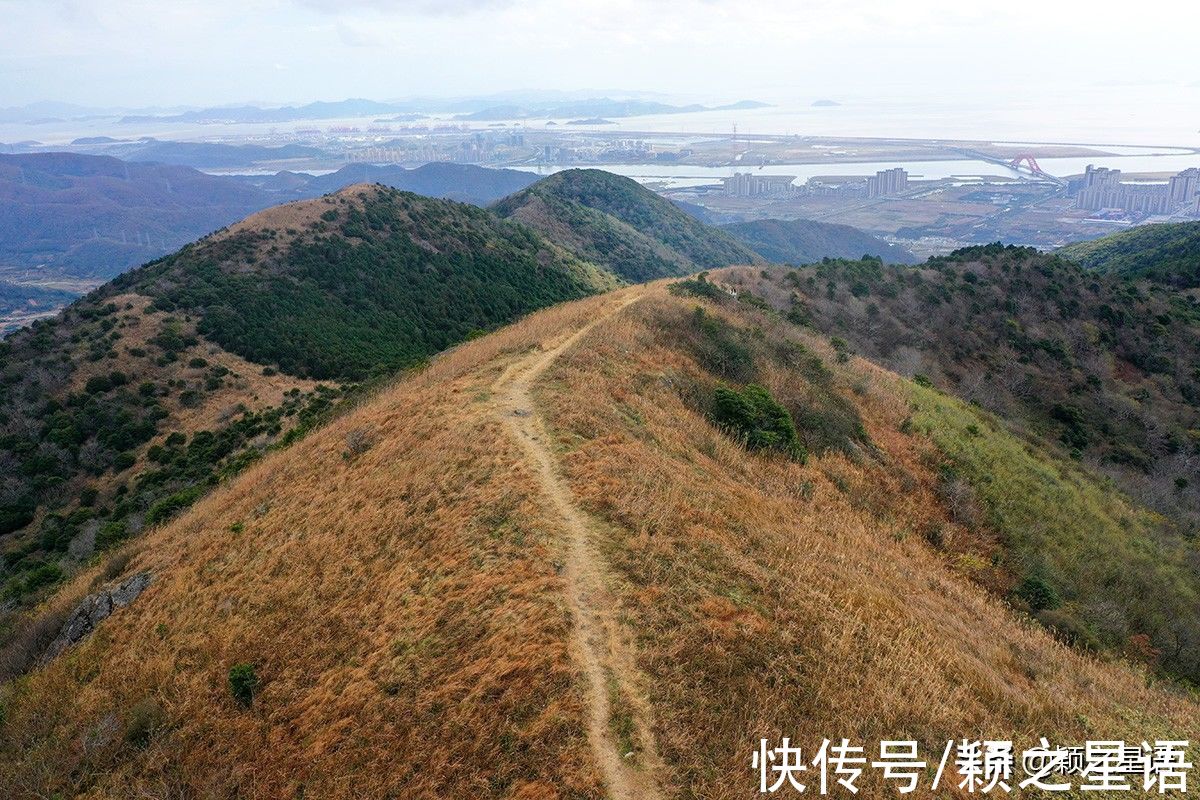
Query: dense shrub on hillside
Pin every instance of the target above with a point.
(699, 286)
(1086, 561)
(243, 683)
(823, 419)
(59, 444)
(757, 419)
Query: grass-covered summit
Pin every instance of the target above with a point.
(619, 224)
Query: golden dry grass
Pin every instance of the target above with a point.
(407, 618)
(402, 608)
(297, 215)
(770, 598)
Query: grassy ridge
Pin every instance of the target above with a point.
(761, 596)
(770, 597)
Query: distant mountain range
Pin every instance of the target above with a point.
(93, 217)
(202, 155)
(536, 103)
(471, 109)
(355, 107)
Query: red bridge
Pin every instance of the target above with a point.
(1030, 161)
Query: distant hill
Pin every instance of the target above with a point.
(18, 302)
(805, 241)
(93, 217)
(483, 108)
(1167, 253)
(248, 114)
(618, 223)
(465, 183)
(597, 108)
(96, 216)
(203, 155)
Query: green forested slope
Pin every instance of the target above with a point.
(623, 226)
(1168, 254)
(803, 241)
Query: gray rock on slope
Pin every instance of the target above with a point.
(94, 609)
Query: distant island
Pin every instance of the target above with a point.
(592, 121)
(600, 107)
(825, 103)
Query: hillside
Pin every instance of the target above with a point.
(1168, 254)
(802, 241)
(617, 223)
(1103, 369)
(140, 397)
(599, 553)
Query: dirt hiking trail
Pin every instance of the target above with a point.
(618, 714)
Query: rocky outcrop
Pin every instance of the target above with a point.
(94, 609)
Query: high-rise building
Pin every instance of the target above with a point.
(746, 184)
(888, 183)
(1184, 186)
(1102, 188)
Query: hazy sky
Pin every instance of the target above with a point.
(192, 52)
